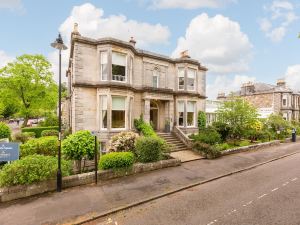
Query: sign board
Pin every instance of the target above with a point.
(9, 151)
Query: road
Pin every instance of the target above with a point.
(269, 194)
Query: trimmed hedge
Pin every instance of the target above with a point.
(49, 133)
(42, 146)
(116, 160)
(207, 150)
(38, 130)
(32, 169)
(24, 137)
(5, 131)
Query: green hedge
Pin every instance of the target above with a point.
(38, 130)
(207, 150)
(49, 133)
(5, 131)
(32, 169)
(24, 137)
(116, 160)
(42, 146)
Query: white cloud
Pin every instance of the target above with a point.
(4, 59)
(281, 15)
(226, 84)
(292, 77)
(11, 4)
(218, 43)
(92, 23)
(188, 4)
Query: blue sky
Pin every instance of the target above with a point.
(238, 40)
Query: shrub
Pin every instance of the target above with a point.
(49, 133)
(79, 145)
(207, 150)
(32, 169)
(223, 146)
(5, 131)
(137, 123)
(50, 120)
(201, 120)
(123, 142)
(144, 128)
(42, 146)
(244, 143)
(150, 149)
(38, 130)
(115, 160)
(208, 136)
(222, 128)
(24, 137)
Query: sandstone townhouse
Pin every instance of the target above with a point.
(111, 82)
(271, 99)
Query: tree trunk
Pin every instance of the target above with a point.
(78, 165)
(25, 122)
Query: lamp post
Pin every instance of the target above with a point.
(59, 44)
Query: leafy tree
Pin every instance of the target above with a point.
(201, 120)
(239, 115)
(28, 83)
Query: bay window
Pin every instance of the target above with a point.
(181, 78)
(180, 109)
(103, 104)
(190, 114)
(191, 74)
(118, 112)
(103, 65)
(118, 66)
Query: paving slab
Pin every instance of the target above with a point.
(186, 155)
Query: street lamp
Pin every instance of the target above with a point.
(59, 44)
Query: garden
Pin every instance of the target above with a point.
(239, 125)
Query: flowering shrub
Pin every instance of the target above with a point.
(123, 142)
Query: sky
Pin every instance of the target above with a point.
(237, 40)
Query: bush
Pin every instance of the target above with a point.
(123, 142)
(244, 143)
(115, 160)
(24, 137)
(201, 120)
(42, 146)
(79, 145)
(50, 120)
(38, 130)
(144, 128)
(5, 131)
(49, 133)
(223, 146)
(207, 150)
(32, 169)
(150, 149)
(223, 129)
(208, 136)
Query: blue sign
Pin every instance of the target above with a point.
(9, 151)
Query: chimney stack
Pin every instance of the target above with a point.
(184, 54)
(221, 96)
(75, 29)
(281, 83)
(132, 41)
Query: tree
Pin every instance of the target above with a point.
(239, 115)
(28, 84)
(201, 120)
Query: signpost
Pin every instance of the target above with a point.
(94, 133)
(9, 152)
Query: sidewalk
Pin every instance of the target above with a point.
(55, 208)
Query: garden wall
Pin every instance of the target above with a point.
(22, 191)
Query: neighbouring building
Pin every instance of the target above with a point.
(211, 109)
(270, 99)
(111, 83)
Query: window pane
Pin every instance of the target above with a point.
(104, 118)
(191, 73)
(103, 69)
(103, 108)
(118, 119)
(180, 118)
(118, 72)
(118, 59)
(190, 119)
(191, 107)
(155, 81)
(180, 72)
(103, 57)
(118, 103)
(180, 106)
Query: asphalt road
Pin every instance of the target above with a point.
(269, 194)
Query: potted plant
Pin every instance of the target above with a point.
(167, 126)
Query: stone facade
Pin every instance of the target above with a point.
(278, 99)
(111, 83)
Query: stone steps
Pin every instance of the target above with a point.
(176, 144)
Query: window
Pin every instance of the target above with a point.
(155, 79)
(103, 108)
(181, 78)
(131, 69)
(103, 66)
(118, 66)
(284, 102)
(191, 74)
(118, 112)
(190, 114)
(181, 113)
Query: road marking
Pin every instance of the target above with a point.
(249, 203)
(215, 220)
(275, 189)
(210, 223)
(262, 196)
(294, 179)
(244, 205)
(286, 183)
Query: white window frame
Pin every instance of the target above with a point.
(179, 76)
(126, 111)
(180, 112)
(101, 112)
(155, 74)
(194, 78)
(194, 115)
(101, 75)
(126, 75)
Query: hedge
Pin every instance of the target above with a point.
(42, 146)
(46, 133)
(32, 169)
(38, 130)
(116, 160)
(5, 131)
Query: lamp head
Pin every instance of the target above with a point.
(58, 43)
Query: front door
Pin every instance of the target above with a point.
(154, 118)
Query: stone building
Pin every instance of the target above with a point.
(270, 99)
(111, 83)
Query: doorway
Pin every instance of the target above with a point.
(154, 114)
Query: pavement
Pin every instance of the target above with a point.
(269, 194)
(76, 204)
(186, 155)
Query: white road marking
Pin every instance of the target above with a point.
(275, 189)
(262, 196)
(215, 220)
(286, 183)
(249, 203)
(244, 205)
(210, 223)
(294, 179)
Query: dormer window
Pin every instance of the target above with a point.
(118, 66)
(181, 78)
(191, 74)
